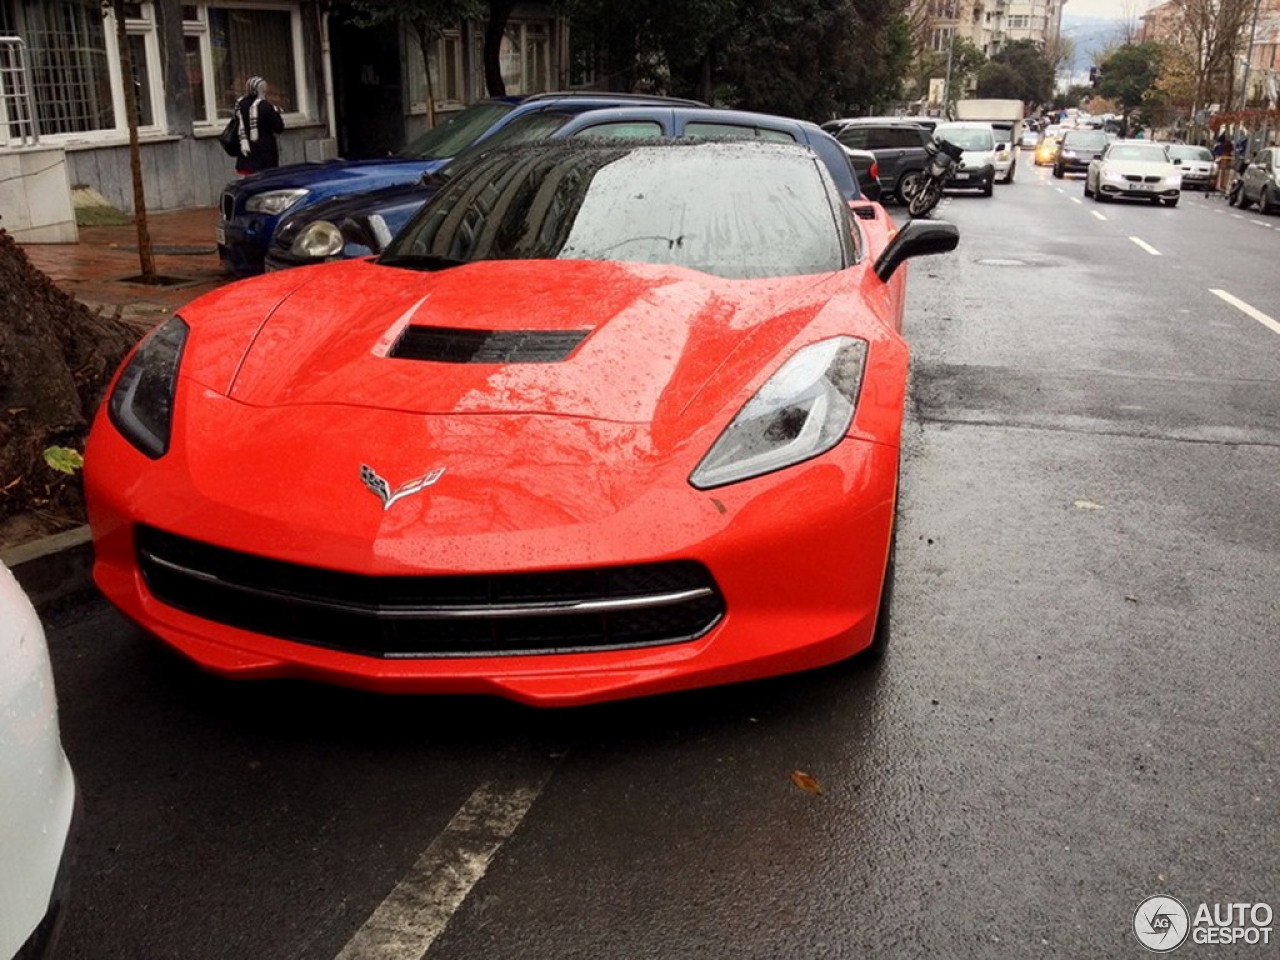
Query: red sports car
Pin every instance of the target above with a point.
(604, 420)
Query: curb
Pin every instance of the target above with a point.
(53, 568)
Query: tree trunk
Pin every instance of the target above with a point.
(56, 357)
(145, 260)
(494, 31)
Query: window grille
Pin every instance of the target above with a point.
(15, 93)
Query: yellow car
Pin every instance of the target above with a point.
(1047, 150)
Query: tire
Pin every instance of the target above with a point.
(1008, 177)
(880, 637)
(988, 188)
(1101, 197)
(1058, 172)
(1265, 204)
(1171, 203)
(908, 186)
(1087, 192)
(925, 199)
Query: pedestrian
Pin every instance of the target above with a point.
(259, 125)
(1222, 150)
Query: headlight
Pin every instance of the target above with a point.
(141, 405)
(1113, 177)
(273, 201)
(802, 411)
(320, 238)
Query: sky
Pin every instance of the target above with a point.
(1107, 9)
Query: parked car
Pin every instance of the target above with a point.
(37, 788)
(834, 126)
(1135, 170)
(546, 439)
(251, 208)
(1077, 149)
(1260, 182)
(361, 225)
(1198, 170)
(977, 167)
(899, 148)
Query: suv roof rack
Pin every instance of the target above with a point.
(610, 95)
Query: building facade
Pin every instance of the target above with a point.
(340, 87)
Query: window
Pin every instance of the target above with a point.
(524, 58)
(728, 131)
(623, 129)
(227, 43)
(447, 76)
(74, 65)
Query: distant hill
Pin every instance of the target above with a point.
(1091, 36)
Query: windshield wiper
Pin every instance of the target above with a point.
(419, 261)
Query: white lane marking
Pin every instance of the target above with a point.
(1146, 246)
(407, 922)
(1237, 216)
(1076, 200)
(1247, 310)
(1261, 223)
(1219, 211)
(1098, 215)
(1059, 189)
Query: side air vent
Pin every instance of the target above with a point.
(449, 345)
(866, 213)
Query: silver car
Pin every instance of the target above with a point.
(37, 789)
(1197, 165)
(1135, 170)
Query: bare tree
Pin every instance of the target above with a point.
(146, 261)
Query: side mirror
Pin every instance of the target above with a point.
(917, 239)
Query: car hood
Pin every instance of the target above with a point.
(652, 337)
(337, 176)
(1139, 168)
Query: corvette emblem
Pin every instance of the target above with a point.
(382, 490)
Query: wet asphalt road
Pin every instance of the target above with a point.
(1079, 708)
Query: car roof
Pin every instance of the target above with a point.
(828, 149)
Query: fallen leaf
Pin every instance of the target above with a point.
(63, 459)
(805, 782)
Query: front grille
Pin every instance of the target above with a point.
(227, 205)
(451, 345)
(403, 617)
(1151, 179)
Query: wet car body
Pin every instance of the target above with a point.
(365, 224)
(37, 788)
(603, 421)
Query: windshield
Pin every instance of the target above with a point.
(966, 138)
(1191, 153)
(460, 130)
(729, 209)
(1149, 153)
(1085, 140)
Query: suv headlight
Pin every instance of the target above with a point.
(320, 238)
(141, 405)
(802, 411)
(273, 201)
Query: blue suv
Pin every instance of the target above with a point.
(249, 209)
(358, 226)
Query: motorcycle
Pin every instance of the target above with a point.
(944, 157)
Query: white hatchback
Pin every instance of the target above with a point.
(37, 789)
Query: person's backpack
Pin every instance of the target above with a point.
(230, 136)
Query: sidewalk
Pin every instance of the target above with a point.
(96, 269)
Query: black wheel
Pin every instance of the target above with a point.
(1242, 201)
(909, 185)
(1171, 202)
(880, 638)
(1008, 177)
(1087, 192)
(989, 187)
(1058, 171)
(1266, 204)
(925, 198)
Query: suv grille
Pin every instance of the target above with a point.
(404, 617)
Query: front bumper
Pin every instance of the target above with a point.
(797, 556)
(1073, 164)
(243, 241)
(1138, 191)
(972, 179)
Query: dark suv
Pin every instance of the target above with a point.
(899, 148)
(1077, 148)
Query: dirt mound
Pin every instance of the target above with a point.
(56, 357)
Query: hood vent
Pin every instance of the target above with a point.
(864, 213)
(450, 345)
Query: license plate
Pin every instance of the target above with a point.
(220, 235)
(962, 176)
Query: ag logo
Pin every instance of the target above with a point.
(1161, 924)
